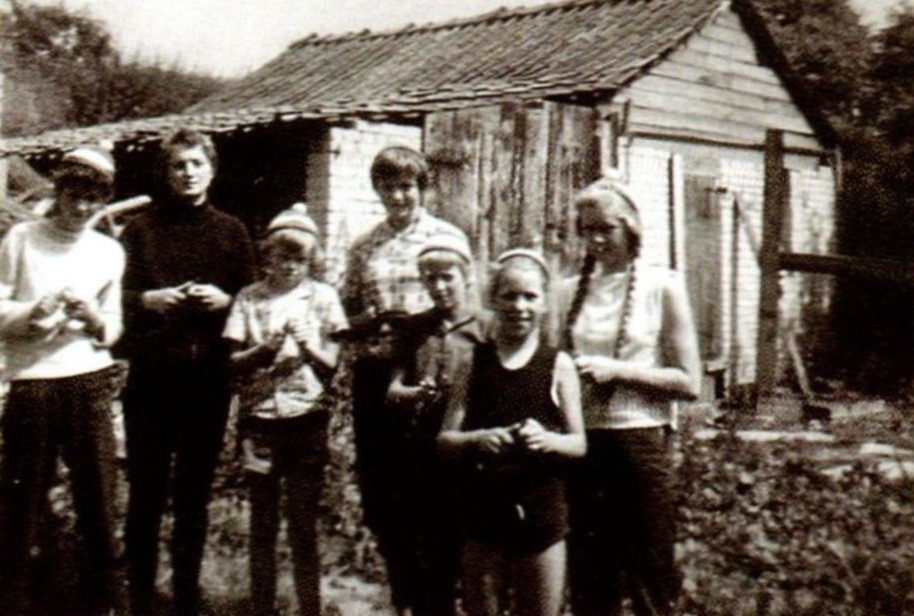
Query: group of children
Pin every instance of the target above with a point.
(482, 412)
(468, 422)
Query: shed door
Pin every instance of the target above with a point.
(703, 261)
(506, 174)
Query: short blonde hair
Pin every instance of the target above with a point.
(292, 240)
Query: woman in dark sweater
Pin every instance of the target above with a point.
(185, 262)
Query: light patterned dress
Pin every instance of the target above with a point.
(256, 315)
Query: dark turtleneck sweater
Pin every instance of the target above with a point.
(170, 244)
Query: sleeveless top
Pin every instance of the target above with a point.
(515, 500)
(594, 333)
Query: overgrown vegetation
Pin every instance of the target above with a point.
(763, 531)
(62, 71)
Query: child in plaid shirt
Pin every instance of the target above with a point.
(284, 360)
(382, 277)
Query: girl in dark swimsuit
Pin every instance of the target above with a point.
(514, 413)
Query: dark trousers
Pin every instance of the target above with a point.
(623, 524)
(180, 414)
(70, 416)
(404, 503)
(298, 453)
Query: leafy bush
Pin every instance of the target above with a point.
(765, 532)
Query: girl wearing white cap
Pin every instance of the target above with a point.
(60, 311)
(630, 330)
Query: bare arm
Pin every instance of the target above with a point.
(572, 443)
(323, 359)
(680, 342)
(680, 374)
(322, 354)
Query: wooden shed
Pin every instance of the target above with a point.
(517, 109)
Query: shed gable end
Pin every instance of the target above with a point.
(715, 88)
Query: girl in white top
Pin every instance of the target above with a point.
(630, 330)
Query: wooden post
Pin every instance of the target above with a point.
(4, 166)
(676, 179)
(769, 262)
(735, 346)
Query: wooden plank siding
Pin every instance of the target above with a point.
(715, 88)
(731, 82)
(713, 94)
(506, 175)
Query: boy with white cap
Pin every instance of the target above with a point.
(422, 557)
(60, 311)
(283, 358)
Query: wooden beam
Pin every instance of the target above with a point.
(675, 135)
(888, 270)
(775, 196)
(4, 163)
(676, 179)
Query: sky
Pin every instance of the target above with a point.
(229, 38)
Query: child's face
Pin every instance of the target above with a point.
(401, 198)
(519, 301)
(605, 237)
(75, 205)
(446, 284)
(286, 266)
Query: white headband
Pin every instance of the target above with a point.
(526, 253)
(92, 158)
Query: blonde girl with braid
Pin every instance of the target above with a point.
(629, 329)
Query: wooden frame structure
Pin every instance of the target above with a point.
(773, 260)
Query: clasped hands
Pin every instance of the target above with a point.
(527, 435)
(71, 307)
(203, 297)
(270, 347)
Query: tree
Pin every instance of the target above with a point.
(861, 80)
(63, 70)
(892, 105)
(71, 51)
(828, 48)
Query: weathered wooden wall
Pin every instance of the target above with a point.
(506, 175)
(716, 88)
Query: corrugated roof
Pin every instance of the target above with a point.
(555, 50)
